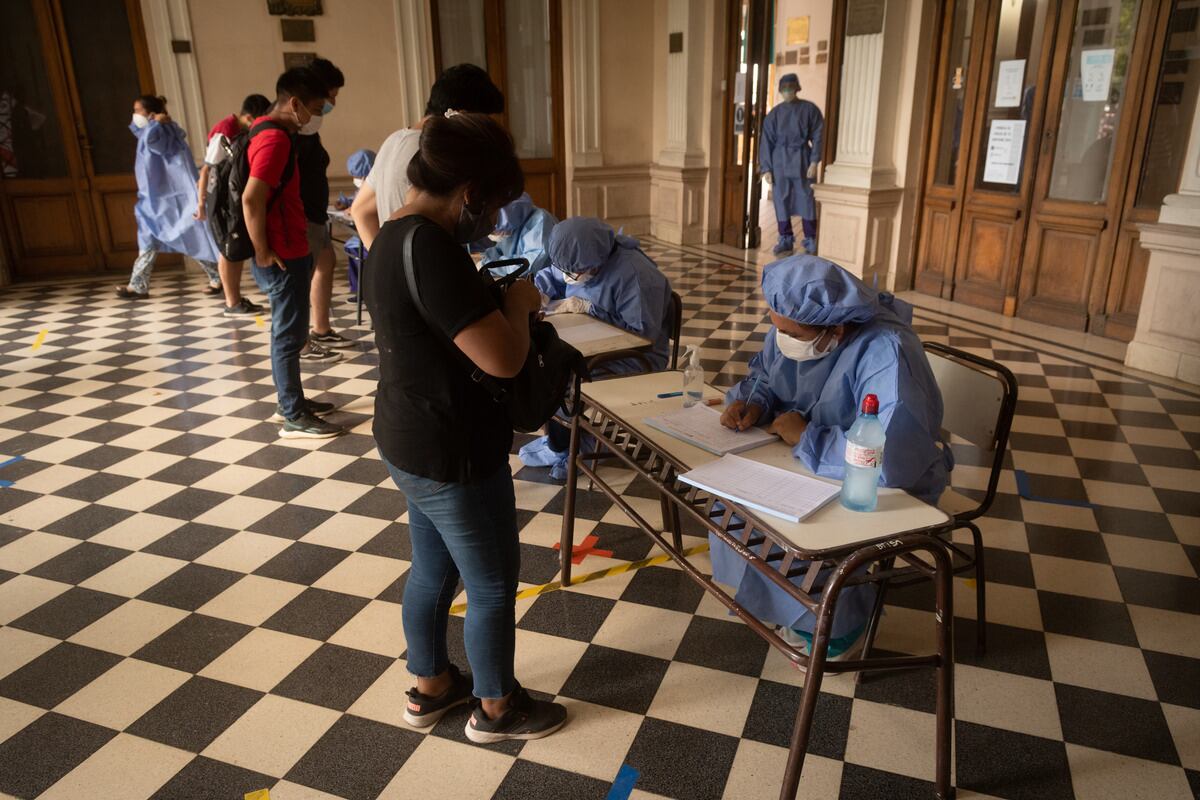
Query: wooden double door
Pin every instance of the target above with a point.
(1036, 155)
(69, 73)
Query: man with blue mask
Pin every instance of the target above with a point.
(600, 272)
(834, 342)
(522, 231)
(787, 158)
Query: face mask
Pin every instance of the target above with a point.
(801, 350)
(358, 182)
(140, 120)
(325, 109)
(312, 126)
(582, 277)
(788, 95)
(472, 226)
(498, 237)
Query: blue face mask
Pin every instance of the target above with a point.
(326, 108)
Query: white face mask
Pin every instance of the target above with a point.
(800, 349)
(582, 277)
(358, 182)
(312, 126)
(788, 95)
(141, 120)
(498, 237)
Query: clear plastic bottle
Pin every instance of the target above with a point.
(693, 378)
(864, 458)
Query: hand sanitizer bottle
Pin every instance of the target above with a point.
(693, 378)
(864, 458)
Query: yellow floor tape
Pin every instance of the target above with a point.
(259, 321)
(258, 794)
(534, 591)
(41, 337)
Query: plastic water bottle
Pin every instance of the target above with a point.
(693, 378)
(864, 458)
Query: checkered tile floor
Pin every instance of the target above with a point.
(192, 608)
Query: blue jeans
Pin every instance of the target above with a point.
(288, 291)
(467, 529)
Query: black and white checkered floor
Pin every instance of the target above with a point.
(193, 608)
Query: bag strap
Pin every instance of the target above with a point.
(498, 392)
(288, 170)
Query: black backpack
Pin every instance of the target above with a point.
(553, 369)
(224, 206)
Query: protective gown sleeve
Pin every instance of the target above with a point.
(550, 283)
(767, 143)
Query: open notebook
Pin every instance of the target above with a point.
(701, 425)
(772, 490)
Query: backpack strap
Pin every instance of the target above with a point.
(288, 170)
(498, 392)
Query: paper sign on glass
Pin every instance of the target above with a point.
(1095, 68)
(1006, 140)
(1009, 83)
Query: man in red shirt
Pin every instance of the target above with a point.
(282, 263)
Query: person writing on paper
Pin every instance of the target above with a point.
(522, 231)
(834, 342)
(602, 273)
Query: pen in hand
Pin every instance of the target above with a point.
(742, 422)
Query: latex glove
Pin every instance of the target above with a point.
(767, 179)
(572, 305)
(812, 171)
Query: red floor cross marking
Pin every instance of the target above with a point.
(581, 551)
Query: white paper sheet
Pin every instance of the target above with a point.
(1006, 140)
(1010, 82)
(590, 331)
(772, 490)
(1095, 69)
(701, 425)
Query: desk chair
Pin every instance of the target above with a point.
(979, 398)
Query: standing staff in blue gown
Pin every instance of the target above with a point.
(787, 158)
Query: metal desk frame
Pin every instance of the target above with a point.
(778, 560)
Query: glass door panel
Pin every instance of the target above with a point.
(31, 143)
(462, 33)
(530, 96)
(954, 90)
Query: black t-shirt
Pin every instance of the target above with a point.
(312, 162)
(431, 419)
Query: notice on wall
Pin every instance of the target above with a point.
(1006, 141)
(1009, 83)
(797, 30)
(1095, 69)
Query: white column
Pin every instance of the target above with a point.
(686, 86)
(1183, 207)
(858, 112)
(584, 18)
(414, 44)
(176, 75)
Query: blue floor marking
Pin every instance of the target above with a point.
(623, 786)
(1025, 491)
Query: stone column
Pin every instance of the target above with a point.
(584, 21)
(176, 74)
(1167, 340)
(414, 44)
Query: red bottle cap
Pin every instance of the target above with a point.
(870, 404)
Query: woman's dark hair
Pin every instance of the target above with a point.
(464, 87)
(330, 75)
(152, 103)
(470, 149)
(256, 105)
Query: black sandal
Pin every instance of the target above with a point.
(213, 290)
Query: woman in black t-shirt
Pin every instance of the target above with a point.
(443, 438)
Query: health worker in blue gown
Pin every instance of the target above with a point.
(522, 231)
(835, 341)
(788, 154)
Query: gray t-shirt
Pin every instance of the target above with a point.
(389, 176)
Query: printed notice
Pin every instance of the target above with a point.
(1010, 83)
(1006, 140)
(1095, 69)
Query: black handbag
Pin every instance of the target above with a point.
(553, 370)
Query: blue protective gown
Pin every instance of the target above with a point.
(880, 355)
(528, 228)
(791, 140)
(166, 179)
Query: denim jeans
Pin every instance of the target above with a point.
(139, 279)
(467, 529)
(288, 291)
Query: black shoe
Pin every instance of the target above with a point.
(525, 718)
(243, 308)
(314, 407)
(330, 340)
(307, 426)
(423, 711)
(125, 293)
(313, 353)
(218, 289)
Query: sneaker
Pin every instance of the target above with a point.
(525, 718)
(330, 340)
(843, 648)
(313, 353)
(786, 244)
(308, 426)
(810, 246)
(210, 289)
(243, 308)
(125, 293)
(423, 711)
(314, 407)
(352, 299)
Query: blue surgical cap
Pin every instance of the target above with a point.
(813, 291)
(360, 162)
(584, 244)
(513, 215)
(789, 78)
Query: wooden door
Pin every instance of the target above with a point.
(519, 43)
(1091, 134)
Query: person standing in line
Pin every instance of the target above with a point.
(282, 263)
(792, 137)
(222, 133)
(166, 180)
(312, 161)
(464, 87)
